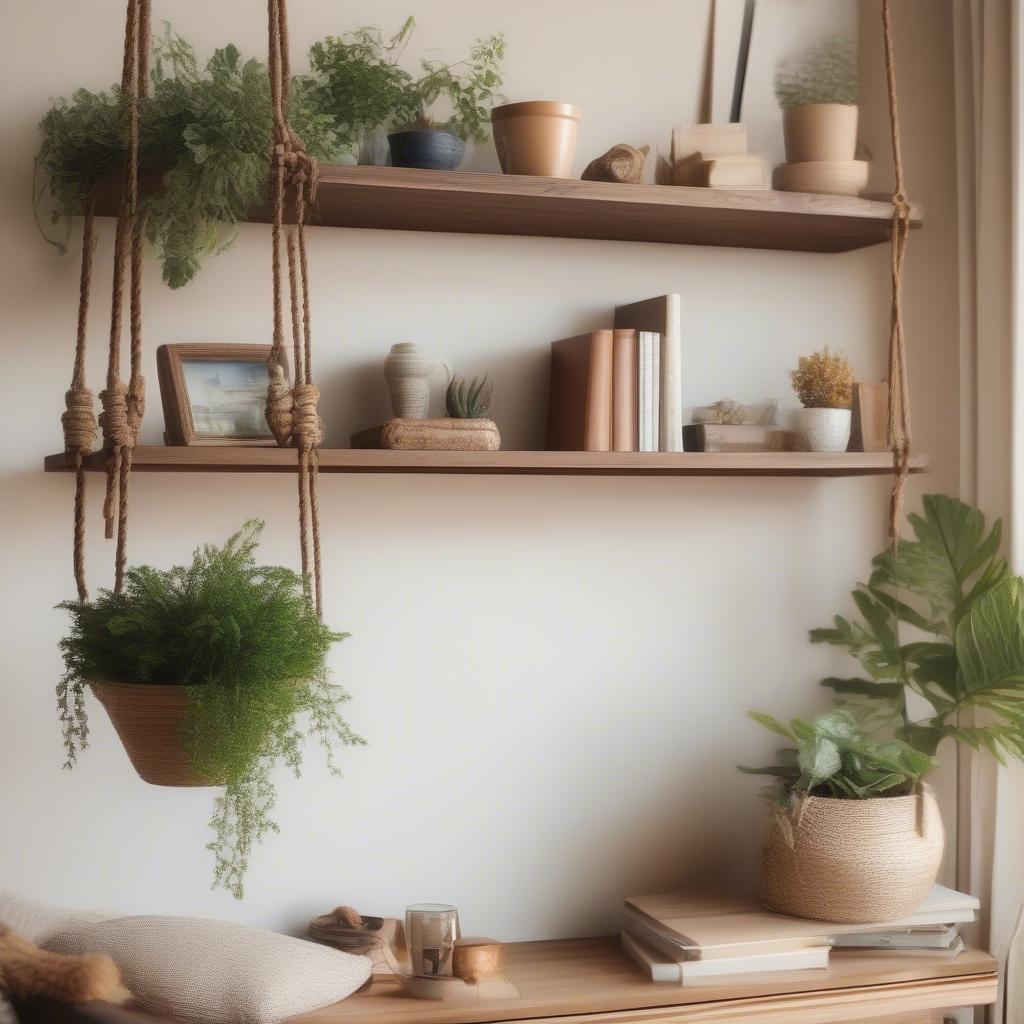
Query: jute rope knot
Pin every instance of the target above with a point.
(79, 421)
(279, 404)
(114, 419)
(307, 429)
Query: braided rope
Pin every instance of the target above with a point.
(291, 413)
(124, 405)
(898, 427)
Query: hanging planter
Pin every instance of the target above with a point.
(150, 722)
(209, 671)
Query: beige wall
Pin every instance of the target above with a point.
(552, 673)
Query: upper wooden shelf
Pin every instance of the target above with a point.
(405, 199)
(209, 459)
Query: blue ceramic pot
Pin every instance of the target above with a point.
(430, 148)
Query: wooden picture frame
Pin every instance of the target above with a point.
(187, 421)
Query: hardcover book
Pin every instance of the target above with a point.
(580, 394)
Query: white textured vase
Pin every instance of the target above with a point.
(408, 372)
(826, 430)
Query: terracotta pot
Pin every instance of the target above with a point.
(853, 861)
(536, 137)
(820, 131)
(150, 721)
(826, 430)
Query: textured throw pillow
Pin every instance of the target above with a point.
(214, 971)
(38, 922)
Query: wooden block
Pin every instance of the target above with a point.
(710, 139)
(870, 413)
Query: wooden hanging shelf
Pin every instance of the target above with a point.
(208, 459)
(406, 199)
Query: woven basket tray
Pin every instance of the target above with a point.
(149, 720)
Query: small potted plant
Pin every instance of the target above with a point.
(853, 837)
(824, 385)
(818, 94)
(468, 87)
(205, 671)
(536, 137)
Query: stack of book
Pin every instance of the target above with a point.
(694, 940)
(715, 156)
(620, 389)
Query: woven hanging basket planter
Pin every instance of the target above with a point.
(150, 720)
(853, 861)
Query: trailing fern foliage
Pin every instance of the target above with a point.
(208, 126)
(252, 653)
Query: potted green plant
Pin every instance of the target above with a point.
(824, 385)
(963, 672)
(207, 672)
(205, 138)
(853, 836)
(818, 93)
(468, 87)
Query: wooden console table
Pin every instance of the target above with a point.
(590, 981)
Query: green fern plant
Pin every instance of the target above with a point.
(244, 641)
(469, 401)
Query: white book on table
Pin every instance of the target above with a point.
(903, 938)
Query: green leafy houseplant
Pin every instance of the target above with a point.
(954, 589)
(245, 643)
(832, 757)
(469, 401)
(826, 73)
(208, 128)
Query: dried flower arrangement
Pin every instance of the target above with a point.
(823, 381)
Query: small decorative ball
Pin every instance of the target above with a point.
(476, 959)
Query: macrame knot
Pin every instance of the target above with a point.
(307, 428)
(901, 206)
(79, 421)
(279, 404)
(117, 431)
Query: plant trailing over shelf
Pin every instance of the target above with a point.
(245, 643)
(832, 757)
(208, 128)
(826, 73)
(469, 401)
(952, 584)
(823, 381)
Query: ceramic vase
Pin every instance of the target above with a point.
(429, 148)
(852, 861)
(536, 137)
(820, 131)
(408, 372)
(826, 430)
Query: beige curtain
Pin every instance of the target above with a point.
(987, 54)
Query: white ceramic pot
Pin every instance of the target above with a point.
(408, 372)
(826, 430)
(820, 131)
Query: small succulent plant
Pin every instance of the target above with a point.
(823, 381)
(826, 73)
(469, 401)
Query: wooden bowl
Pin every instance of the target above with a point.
(830, 177)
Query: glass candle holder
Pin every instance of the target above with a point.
(430, 931)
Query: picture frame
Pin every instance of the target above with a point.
(213, 394)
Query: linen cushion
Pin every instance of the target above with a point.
(38, 922)
(215, 971)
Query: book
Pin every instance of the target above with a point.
(701, 921)
(646, 376)
(869, 413)
(624, 391)
(662, 315)
(905, 938)
(951, 952)
(639, 927)
(737, 437)
(580, 393)
(747, 170)
(661, 968)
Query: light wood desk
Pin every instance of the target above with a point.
(590, 981)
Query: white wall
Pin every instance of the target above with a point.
(552, 673)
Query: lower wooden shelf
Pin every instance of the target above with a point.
(209, 459)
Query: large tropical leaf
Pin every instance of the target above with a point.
(990, 640)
